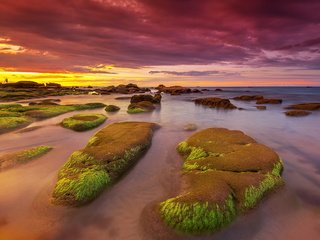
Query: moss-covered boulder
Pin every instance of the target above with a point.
(225, 173)
(214, 102)
(108, 154)
(112, 108)
(83, 122)
(11, 159)
(139, 107)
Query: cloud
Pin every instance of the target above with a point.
(138, 33)
(192, 73)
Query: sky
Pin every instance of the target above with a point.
(171, 42)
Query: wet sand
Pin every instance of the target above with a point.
(292, 212)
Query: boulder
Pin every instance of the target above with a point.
(214, 102)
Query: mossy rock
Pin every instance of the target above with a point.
(47, 111)
(83, 122)
(112, 108)
(24, 156)
(108, 154)
(14, 116)
(139, 107)
(8, 124)
(225, 174)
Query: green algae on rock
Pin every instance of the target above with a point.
(83, 122)
(108, 154)
(11, 123)
(11, 159)
(225, 173)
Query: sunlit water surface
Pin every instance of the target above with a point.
(292, 213)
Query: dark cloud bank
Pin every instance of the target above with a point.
(159, 32)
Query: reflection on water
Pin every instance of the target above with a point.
(292, 213)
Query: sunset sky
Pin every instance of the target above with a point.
(148, 42)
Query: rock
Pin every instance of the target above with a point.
(146, 97)
(93, 93)
(173, 90)
(196, 91)
(261, 107)
(248, 97)
(138, 107)
(297, 113)
(83, 122)
(218, 90)
(269, 101)
(225, 173)
(122, 98)
(106, 157)
(305, 106)
(112, 108)
(190, 127)
(214, 102)
(53, 85)
(11, 159)
(205, 89)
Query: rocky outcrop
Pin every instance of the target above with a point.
(173, 90)
(214, 102)
(146, 97)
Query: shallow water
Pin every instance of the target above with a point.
(293, 212)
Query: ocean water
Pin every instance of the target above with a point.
(293, 212)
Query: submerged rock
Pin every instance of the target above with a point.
(297, 113)
(269, 101)
(108, 154)
(190, 127)
(214, 102)
(261, 107)
(225, 174)
(305, 106)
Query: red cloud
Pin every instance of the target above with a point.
(153, 32)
